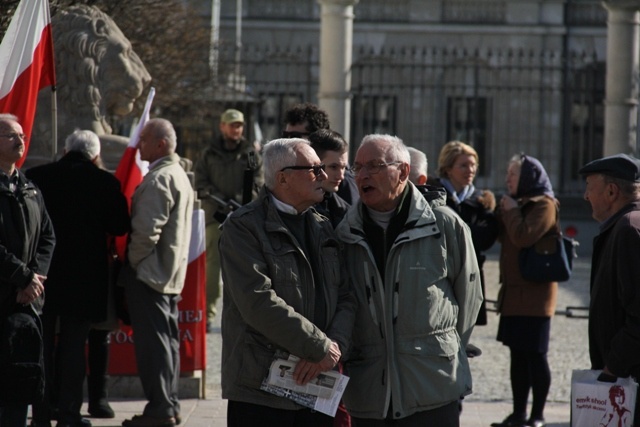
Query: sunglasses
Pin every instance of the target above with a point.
(317, 169)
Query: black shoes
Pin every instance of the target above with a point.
(535, 422)
(82, 422)
(101, 409)
(511, 421)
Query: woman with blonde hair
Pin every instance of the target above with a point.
(457, 167)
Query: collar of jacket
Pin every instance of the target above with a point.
(165, 161)
(613, 219)
(421, 215)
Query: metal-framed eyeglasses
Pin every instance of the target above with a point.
(372, 167)
(317, 169)
(15, 136)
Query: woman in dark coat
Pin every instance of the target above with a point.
(528, 213)
(457, 166)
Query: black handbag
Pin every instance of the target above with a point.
(550, 259)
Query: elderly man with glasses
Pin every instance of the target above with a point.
(285, 289)
(417, 285)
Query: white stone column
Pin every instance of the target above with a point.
(621, 102)
(336, 47)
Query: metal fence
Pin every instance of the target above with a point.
(501, 101)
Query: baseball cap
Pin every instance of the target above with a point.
(232, 116)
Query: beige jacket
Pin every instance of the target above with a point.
(161, 211)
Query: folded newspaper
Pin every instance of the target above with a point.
(322, 394)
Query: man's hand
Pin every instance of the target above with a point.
(33, 290)
(306, 371)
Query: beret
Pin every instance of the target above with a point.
(620, 166)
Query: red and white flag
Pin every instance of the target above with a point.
(26, 62)
(131, 168)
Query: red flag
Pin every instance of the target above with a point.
(26, 62)
(131, 169)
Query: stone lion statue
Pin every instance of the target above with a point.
(98, 75)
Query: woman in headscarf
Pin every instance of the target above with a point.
(528, 213)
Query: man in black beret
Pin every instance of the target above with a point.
(613, 190)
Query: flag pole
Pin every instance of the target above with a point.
(54, 123)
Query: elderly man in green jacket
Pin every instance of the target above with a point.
(285, 291)
(417, 284)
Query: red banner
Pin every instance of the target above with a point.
(192, 318)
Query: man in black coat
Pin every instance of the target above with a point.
(86, 206)
(613, 190)
(26, 246)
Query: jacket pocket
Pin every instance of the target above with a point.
(432, 369)
(256, 360)
(367, 379)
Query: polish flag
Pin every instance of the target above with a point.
(131, 168)
(193, 352)
(26, 62)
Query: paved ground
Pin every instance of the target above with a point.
(491, 400)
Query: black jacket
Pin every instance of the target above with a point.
(26, 238)
(614, 312)
(86, 206)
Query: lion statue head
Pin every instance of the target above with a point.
(98, 75)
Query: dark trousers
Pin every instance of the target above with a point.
(154, 320)
(444, 416)
(241, 414)
(13, 415)
(65, 367)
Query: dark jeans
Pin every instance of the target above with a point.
(444, 416)
(241, 414)
(13, 415)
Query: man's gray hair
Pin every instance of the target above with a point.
(278, 154)
(83, 141)
(630, 190)
(6, 117)
(395, 149)
(163, 129)
(418, 164)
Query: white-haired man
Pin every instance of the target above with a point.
(417, 283)
(419, 164)
(157, 255)
(86, 205)
(285, 291)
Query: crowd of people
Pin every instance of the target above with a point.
(373, 269)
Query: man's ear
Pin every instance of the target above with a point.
(404, 171)
(422, 180)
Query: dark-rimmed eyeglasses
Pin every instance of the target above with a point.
(294, 134)
(372, 167)
(15, 136)
(317, 169)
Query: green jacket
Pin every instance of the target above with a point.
(269, 297)
(220, 172)
(413, 324)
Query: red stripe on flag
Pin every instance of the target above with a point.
(23, 97)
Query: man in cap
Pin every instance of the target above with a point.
(221, 172)
(613, 190)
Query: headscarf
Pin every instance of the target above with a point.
(534, 180)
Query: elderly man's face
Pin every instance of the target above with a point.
(11, 142)
(598, 193)
(304, 187)
(380, 184)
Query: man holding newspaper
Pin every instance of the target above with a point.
(285, 293)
